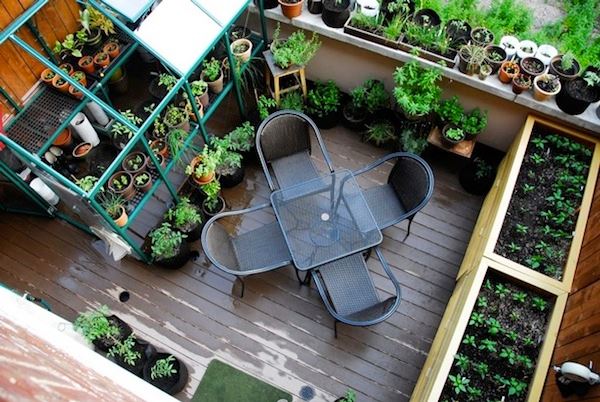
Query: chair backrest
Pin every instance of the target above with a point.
(218, 247)
(282, 135)
(412, 180)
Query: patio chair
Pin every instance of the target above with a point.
(241, 243)
(408, 189)
(283, 144)
(349, 294)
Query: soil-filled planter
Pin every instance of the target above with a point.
(335, 14)
(233, 178)
(500, 346)
(178, 260)
(576, 95)
(104, 344)
(171, 384)
(494, 57)
(352, 118)
(218, 209)
(145, 350)
(477, 176)
(449, 58)
(375, 36)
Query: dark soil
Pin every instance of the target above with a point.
(548, 86)
(532, 66)
(557, 65)
(543, 210)
(579, 89)
(521, 334)
(333, 5)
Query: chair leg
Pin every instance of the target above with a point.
(243, 286)
(408, 229)
(335, 328)
(367, 254)
(300, 281)
(308, 279)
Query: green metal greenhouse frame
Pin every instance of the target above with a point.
(91, 95)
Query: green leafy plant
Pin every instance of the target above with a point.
(120, 130)
(509, 355)
(198, 87)
(482, 369)
(211, 191)
(475, 121)
(292, 101)
(264, 106)
(371, 96)
(591, 78)
(539, 303)
(417, 91)
(450, 111)
(86, 183)
(184, 213)
(230, 160)
(455, 134)
(94, 324)
(482, 302)
(349, 397)
(165, 241)
(112, 204)
(174, 116)
(142, 179)
(521, 229)
(501, 290)
(488, 345)
(494, 327)
(211, 69)
(163, 368)
(167, 80)
(411, 141)
(458, 383)
(324, 98)
(519, 297)
(380, 133)
(469, 340)
(176, 140)
(97, 20)
(242, 137)
(462, 362)
(210, 159)
(124, 350)
(476, 319)
(295, 50)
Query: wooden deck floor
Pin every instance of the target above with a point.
(278, 331)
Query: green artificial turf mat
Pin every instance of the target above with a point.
(223, 383)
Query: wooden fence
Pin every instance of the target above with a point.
(579, 335)
(19, 71)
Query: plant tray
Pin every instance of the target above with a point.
(369, 36)
(428, 55)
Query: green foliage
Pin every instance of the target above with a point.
(487, 345)
(458, 383)
(501, 290)
(211, 191)
(241, 138)
(519, 297)
(94, 324)
(380, 133)
(142, 178)
(324, 98)
(393, 29)
(124, 350)
(176, 140)
(263, 105)
(469, 340)
(165, 241)
(370, 96)
(412, 142)
(167, 80)
(111, 203)
(211, 158)
(229, 160)
(475, 121)
(455, 134)
(508, 17)
(364, 22)
(427, 37)
(476, 319)
(417, 91)
(198, 87)
(71, 45)
(97, 20)
(292, 101)
(295, 50)
(211, 69)
(494, 327)
(119, 129)
(184, 213)
(462, 362)
(174, 116)
(450, 111)
(539, 303)
(349, 397)
(482, 369)
(163, 368)
(86, 183)
(509, 355)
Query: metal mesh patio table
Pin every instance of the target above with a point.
(325, 219)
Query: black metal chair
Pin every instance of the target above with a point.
(283, 144)
(408, 189)
(349, 294)
(248, 246)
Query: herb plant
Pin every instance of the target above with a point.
(324, 98)
(94, 324)
(295, 50)
(211, 69)
(417, 91)
(264, 105)
(211, 191)
(292, 101)
(120, 130)
(241, 138)
(163, 368)
(450, 111)
(165, 241)
(380, 133)
(123, 349)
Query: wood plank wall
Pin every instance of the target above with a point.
(579, 335)
(18, 70)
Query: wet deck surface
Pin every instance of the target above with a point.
(279, 331)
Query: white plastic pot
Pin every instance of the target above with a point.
(84, 129)
(545, 53)
(370, 8)
(526, 43)
(97, 114)
(509, 40)
(44, 191)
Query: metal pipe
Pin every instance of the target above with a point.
(263, 24)
(10, 99)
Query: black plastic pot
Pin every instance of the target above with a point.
(495, 65)
(170, 385)
(427, 17)
(335, 15)
(232, 180)
(575, 96)
(103, 344)
(193, 231)
(220, 208)
(447, 141)
(474, 184)
(328, 121)
(146, 351)
(389, 16)
(315, 6)
(458, 36)
(352, 119)
(177, 261)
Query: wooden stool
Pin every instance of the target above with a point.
(274, 72)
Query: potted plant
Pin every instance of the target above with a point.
(474, 123)
(417, 90)
(295, 50)
(485, 71)
(212, 74)
(380, 133)
(508, 70)
(450, 111)
(509, 44)
(176, 118)
(564, 66)
(292, 101)
(241, 49)
(142, 181)
(265, 106)
(168, 248)
(101, 328)
(121, 183)
(230, 167)
(375, 29)
(187, 218)
(166, 372)
(112, 48)
(70, 46)
(545, 53)
(135, 162)
(482, 37)
(47, 75)
(578, 94)
(366, 100)
(494, 57)
(459, 32)
(131, 354)
(452, 135)
(101, 60)
(477, 177)
(470, 59)
(86, 183)
(291, 8)
(79, 76)
(202, 168)
(521, 83)
(121, 134)
(160, 147)
(241, 139)
(64, 139)
(349, 397)
(86, 63)
(526, 48)
(335, 12)
(200, 91)
(213, 202)
(323, 104)
(81, 150)
(60, 83)
(532, 66)
(545, 86)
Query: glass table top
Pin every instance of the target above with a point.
(325, 219)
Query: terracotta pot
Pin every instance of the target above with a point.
(101, 63)
(202, 179)
(74, 92)
(245, 55)
(520, 87)
(162, 147)
(540, 94)
(64, 87)
(122, 220)
(67, 68)
(128, 192)
(113, 49)
(82, 150)
(47, 76)
(215, 86)
(64, 139)
(82, 80)
(86, 63)
(291, 10)
(506, 77)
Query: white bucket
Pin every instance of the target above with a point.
(44, 191)
(84, 129)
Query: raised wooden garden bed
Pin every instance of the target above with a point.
(542, 155)
(374, 37)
